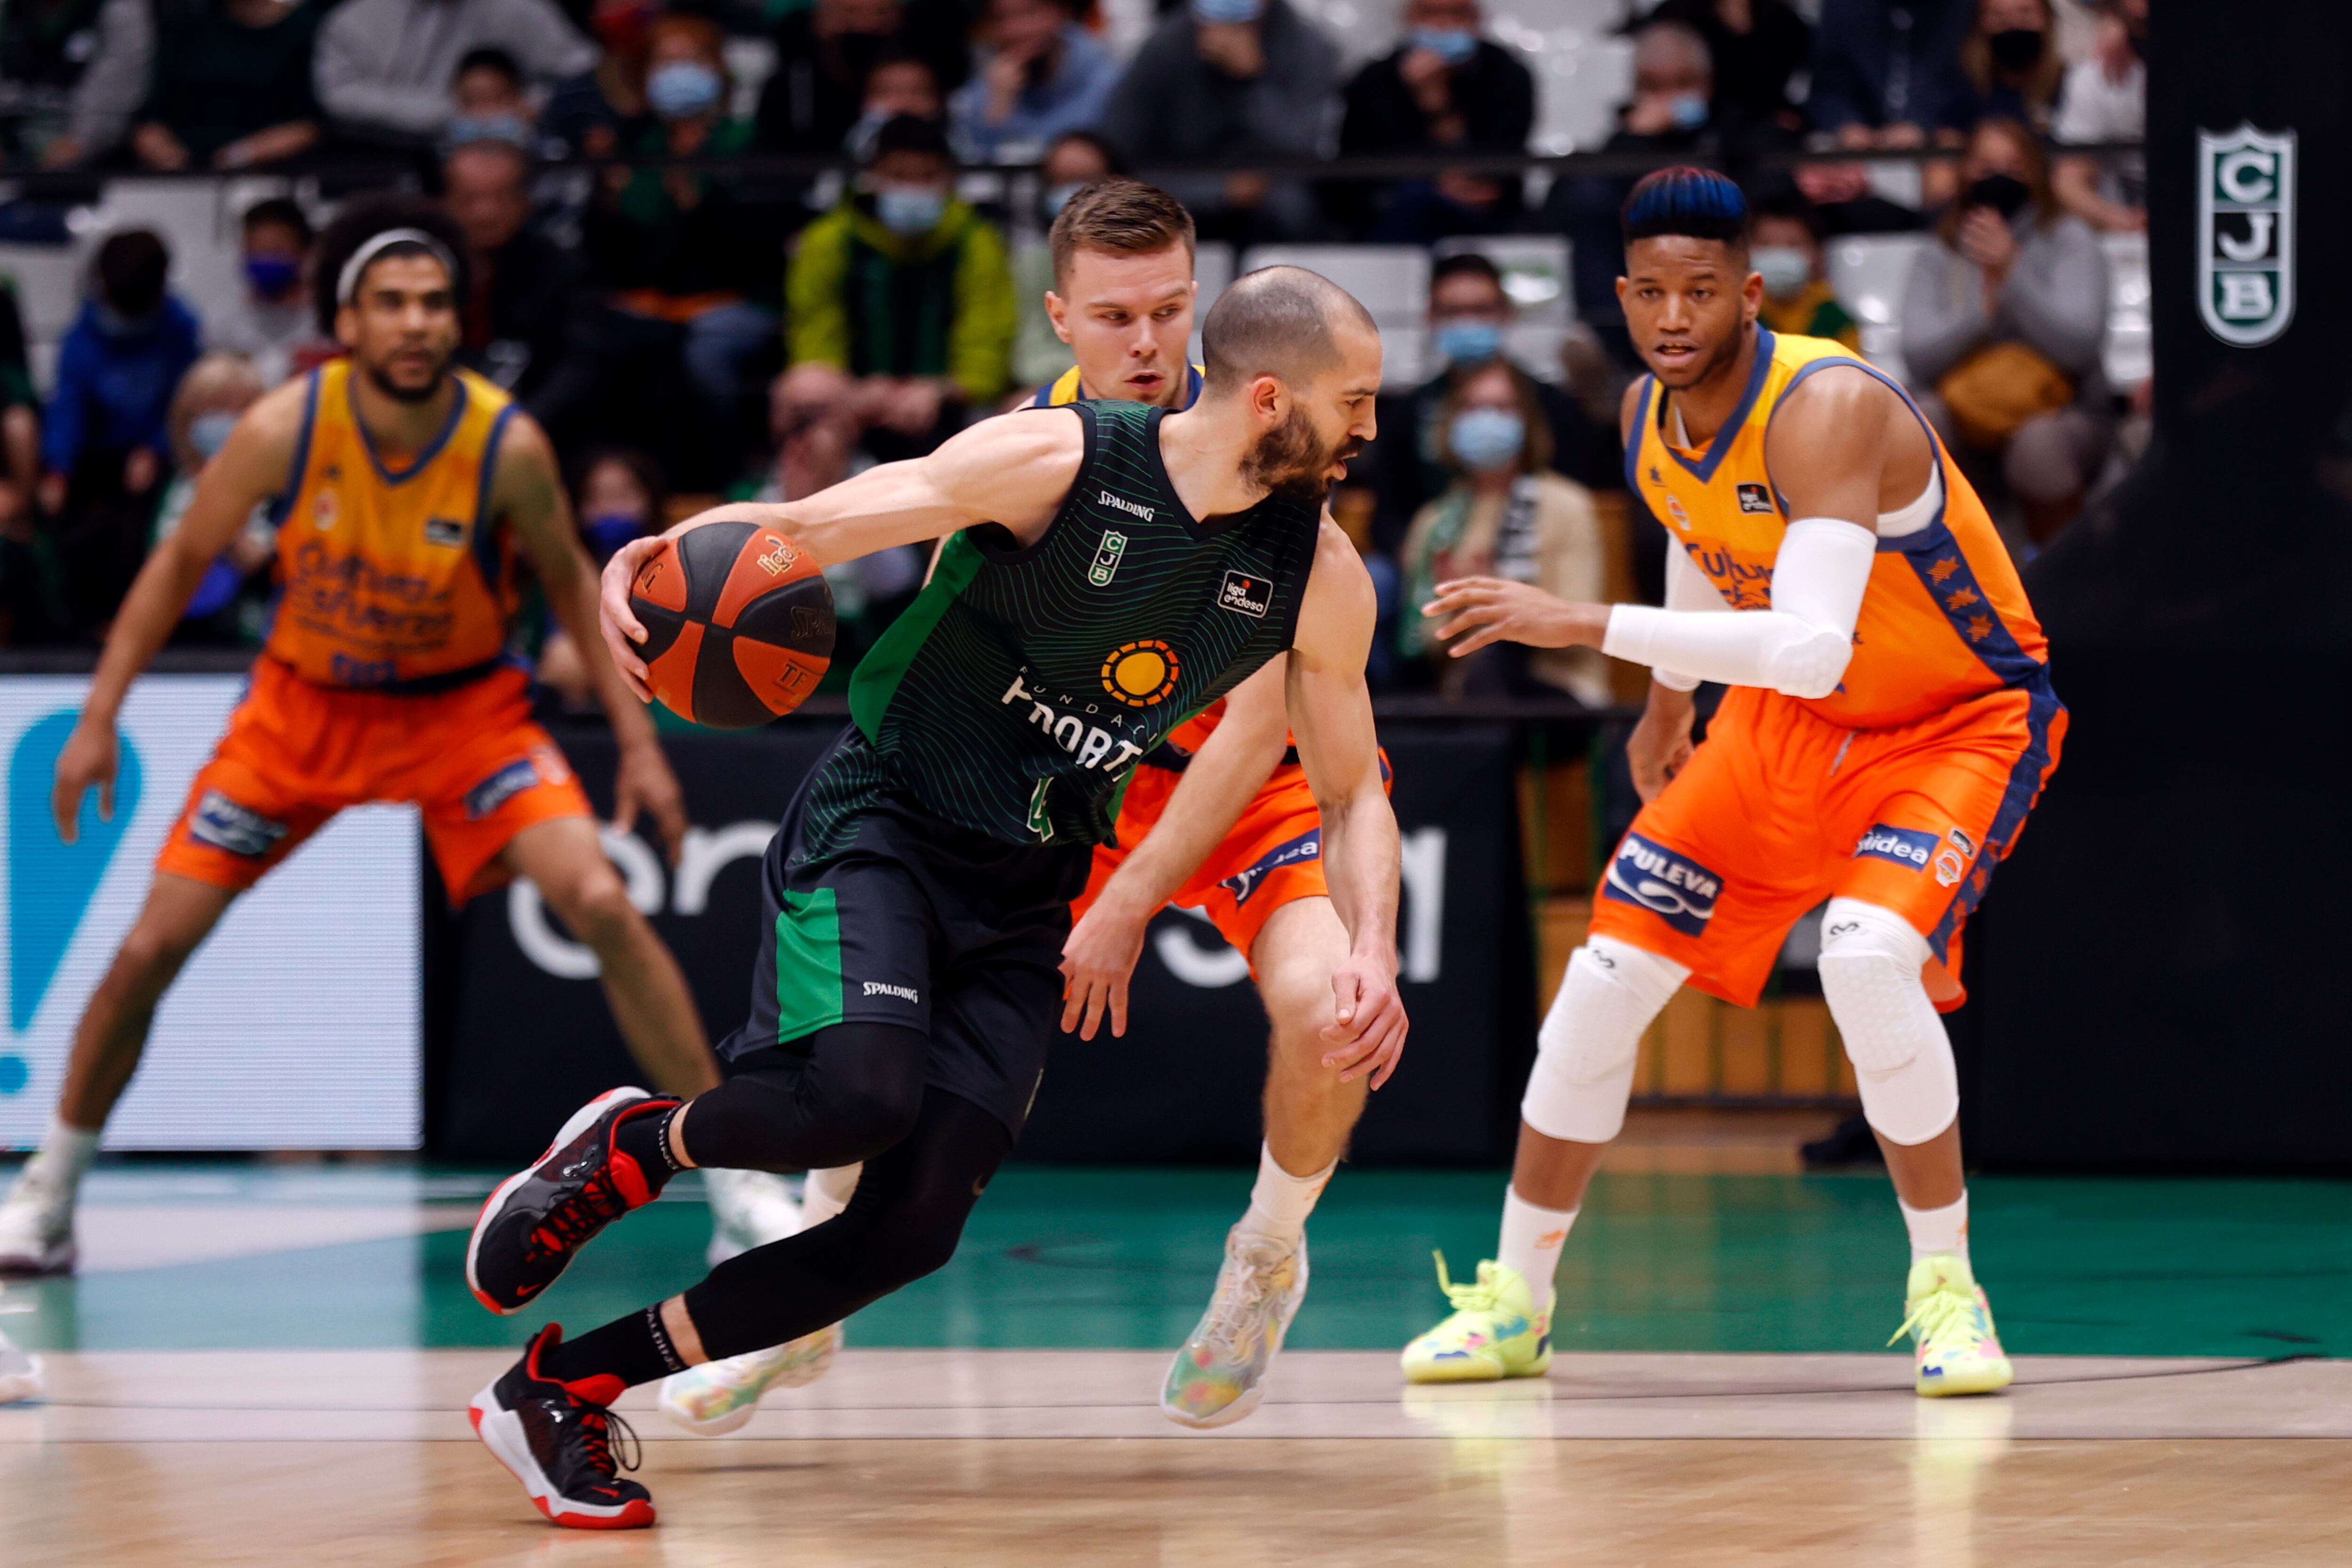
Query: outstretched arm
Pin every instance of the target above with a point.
(1331, 715)
(1231, 766)
(1833, 439)
(248, 471)
(1013, 471)
(528, 497)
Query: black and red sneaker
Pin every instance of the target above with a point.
(539, 1218)
(557, 1438)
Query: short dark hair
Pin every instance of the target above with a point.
(284, 212)
(1465, 263)
(362, 221)
(132, 269)
(642, 469)
(1125, 215)
(910, 133)
(1277, 320)
(489, 57)
(1689, 202)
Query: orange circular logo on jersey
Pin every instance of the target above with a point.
(1140, 673)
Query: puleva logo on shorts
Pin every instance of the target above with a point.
(1909, 847)
(2245, 234)
(51, 882)
(1307, 845)
(239, 829)
(1675, 888)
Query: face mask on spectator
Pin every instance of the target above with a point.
(1785, 269)
(2017, 49)
(272, 277)
(606, 533)
(1228, 10)
(208, 433)
(1451, 45)
(1057, 197)
(910, 210)
(1469, 342)
(2005, 194)
(466, 129)
(682, 90)
(1690, 112)
(1485, 439)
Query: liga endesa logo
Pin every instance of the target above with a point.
(51, 882)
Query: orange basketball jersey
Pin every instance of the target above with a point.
(1945, 617)
(393, 576)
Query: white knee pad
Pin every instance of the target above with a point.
(1871, 959)
(1591, 1039)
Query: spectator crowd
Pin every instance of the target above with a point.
(664, 282)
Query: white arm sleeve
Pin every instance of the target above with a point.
(1799, 646)
(1687, 590)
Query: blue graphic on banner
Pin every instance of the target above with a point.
(50, 882)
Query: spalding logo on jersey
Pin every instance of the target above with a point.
(1675, 888)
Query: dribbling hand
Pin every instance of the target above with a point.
(622, 631)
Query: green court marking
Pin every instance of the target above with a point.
(1124, 1258)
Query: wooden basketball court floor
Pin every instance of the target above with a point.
(268, 1365)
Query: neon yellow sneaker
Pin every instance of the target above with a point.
(714, 1398)
(1495, 1331)
(1947, 1317)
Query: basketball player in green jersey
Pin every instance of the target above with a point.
(1219, 819)
(1116, 568)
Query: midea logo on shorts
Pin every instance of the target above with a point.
(700, 859)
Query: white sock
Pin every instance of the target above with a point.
(1531, 1241)
(66, 1154)
(1938, 1230)
(828, 1192)
(1280, 1202)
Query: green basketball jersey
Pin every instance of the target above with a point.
(1015, 694)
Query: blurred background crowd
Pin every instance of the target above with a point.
(743, 247)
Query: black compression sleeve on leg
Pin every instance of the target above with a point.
(903, 1223)
(833, 1097)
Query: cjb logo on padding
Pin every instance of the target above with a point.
(2245, 234)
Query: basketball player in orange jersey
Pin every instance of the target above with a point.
(410, 495)
(1221, 819)
(1889, 726)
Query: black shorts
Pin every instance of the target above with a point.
(913, 921)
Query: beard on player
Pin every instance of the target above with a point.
(1292, 460)
(411, 373)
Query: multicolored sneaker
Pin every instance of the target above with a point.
(718, 1397)
(557, 1439)
(1220, 1375)
(749, 1209)
(539, 1216)
(1952, 1323)
(1495, 1331)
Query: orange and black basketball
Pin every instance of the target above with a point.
(739, 623)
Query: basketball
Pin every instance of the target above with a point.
(739, 625)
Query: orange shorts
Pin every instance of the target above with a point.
(1273, 856)
(297, 754)
(1779, 810)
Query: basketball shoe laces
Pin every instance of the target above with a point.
(1472, 1296)
(595, 1434)
(1943, 1314)
(1242, 1310)
(571, 1222)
